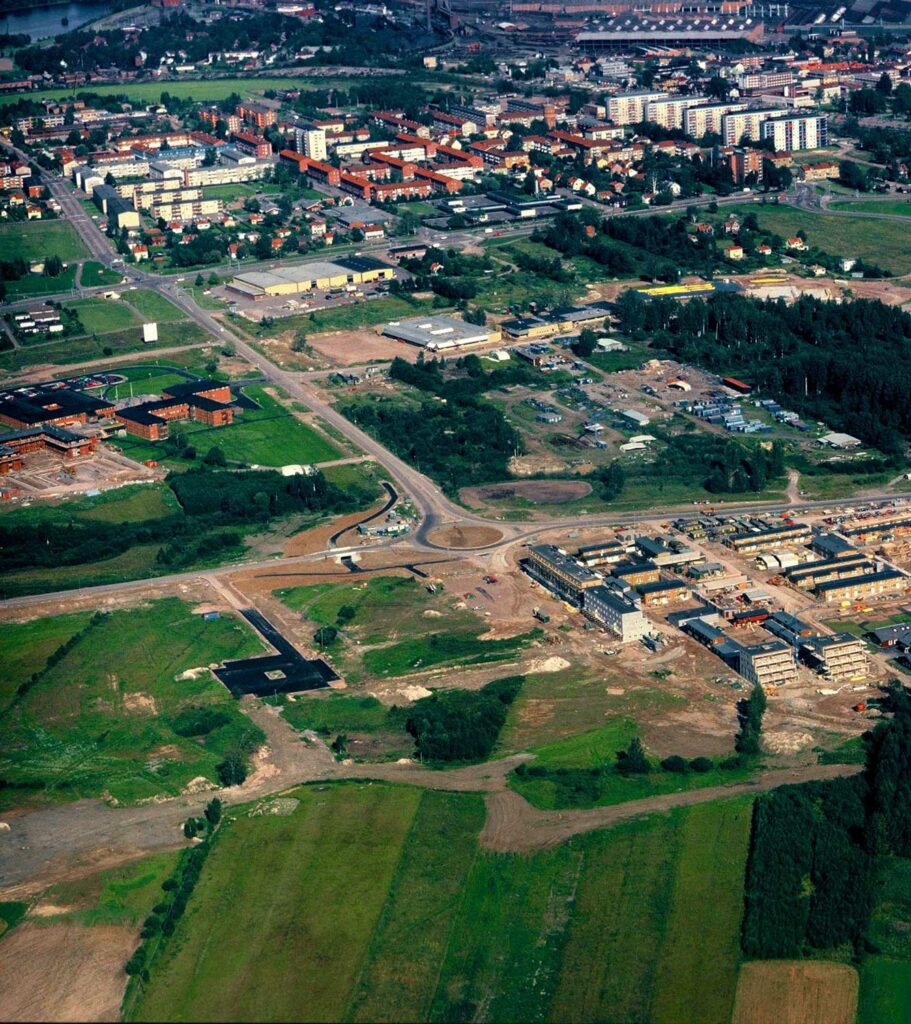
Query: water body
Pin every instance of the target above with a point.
(44, 22)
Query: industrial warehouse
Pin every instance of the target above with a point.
(318, 276)
(440, 333)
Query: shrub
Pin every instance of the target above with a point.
(199, 720)
(702, 764)
(233, 770)
(675, 763)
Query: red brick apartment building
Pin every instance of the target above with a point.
(204, 401)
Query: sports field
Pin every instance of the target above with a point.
(375, 902)
(35, 239)
(104, 715)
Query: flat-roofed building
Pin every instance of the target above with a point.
(796, 132)
(636, 573)
(616, 612)
(701, 120)
(439, 333)
(670, 111)
(770, 663)
(630, 107)
(321, 274)
(841, 656)
(607, 552)
(663, 592)
(559, 571)
(753, 541)
(887, 581)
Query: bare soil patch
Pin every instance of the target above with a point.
(351, 348)
(538, 492)
(64, 972)
(465, 536)
(796, 992)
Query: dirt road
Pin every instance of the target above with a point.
(514, 826)
(76, 839)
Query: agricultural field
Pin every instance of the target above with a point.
(101, 711)
(35, 239)
(877, 241)
(388, 885)
(798, 992)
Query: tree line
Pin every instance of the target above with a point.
(812, 848)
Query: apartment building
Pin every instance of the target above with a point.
(744, 124)
(699, 121)
(764, 539)
(616, 612)
(857, 588)
(559, 572)
(770, 663)
(796, 132)
(841, 656)
(629, 107)
(311, 141)
(670, 111)
(185, 211)
(201, 176)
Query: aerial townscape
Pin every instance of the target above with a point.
(455, 511)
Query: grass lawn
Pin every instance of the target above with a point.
(878, 241)
(94, 275)
(419, 209)
(885, 978)
(895, 207)
(136, 563)
(26, 648)
(465, 648)
(268, 436)
(373, 902)
(398, 978)
(103, 316)
(35, 239)
(282, 918)
(153, 306)
(101, 718)
(36, 285)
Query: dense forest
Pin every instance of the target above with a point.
(461, 725)
(455, 436)
(809, 876)
(841, 363)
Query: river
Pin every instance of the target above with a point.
(43, 22)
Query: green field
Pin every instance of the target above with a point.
(885, 977)
(878, 241)
(103, 316)
(268, 436)
(283, 914)
(437, 649)
(35, 239)
(94, 275)
(375, 902)
(152, 306)
(101, 718)
(894, 207)
(36, 285)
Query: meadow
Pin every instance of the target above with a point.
(389, 886)
(101, 717)
(35, 239)
(885, 973)
(878, 241)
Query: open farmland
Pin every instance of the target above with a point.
(387, 884)
(797, 992)
(103, 714)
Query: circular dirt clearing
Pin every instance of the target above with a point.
(465, 536)
(538, 492)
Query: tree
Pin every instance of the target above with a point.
(325, 635)
(214, 279)
(199, 281)
(750, 713)
(233, 770)
(215, 457)
(633, 760)
(345, 614)
(300, 343)
(213, 811)
(53, 266)
(585, 344)
(884, 85)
